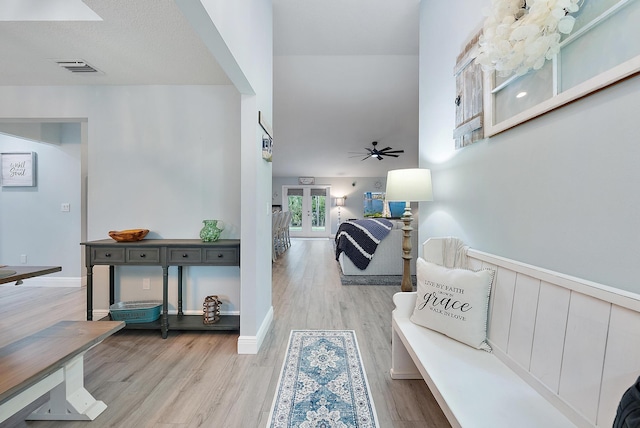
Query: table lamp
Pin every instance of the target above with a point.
(408, 185)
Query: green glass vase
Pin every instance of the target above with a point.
(211, 230)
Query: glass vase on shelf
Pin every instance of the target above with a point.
(211, 230)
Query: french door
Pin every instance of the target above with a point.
(309, 206)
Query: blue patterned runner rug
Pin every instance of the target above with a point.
(323, 383)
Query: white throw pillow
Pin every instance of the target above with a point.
(454, 302)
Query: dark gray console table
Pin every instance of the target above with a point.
(164, 253)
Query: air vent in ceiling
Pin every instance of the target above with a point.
(77, 66)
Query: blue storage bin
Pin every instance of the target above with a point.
(136, 311)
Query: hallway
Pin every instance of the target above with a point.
(196, 379)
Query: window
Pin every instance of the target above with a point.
(603, 48)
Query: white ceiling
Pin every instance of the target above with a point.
(345, 75)
(137, 43)
(345, 71)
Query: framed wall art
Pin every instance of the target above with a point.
(18, 169)
(306, 180)
(267, 139)
(267, 148)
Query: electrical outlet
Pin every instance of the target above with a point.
(146, 284)
(23, 258)
(65, 207)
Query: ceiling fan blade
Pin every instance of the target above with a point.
(373, 152)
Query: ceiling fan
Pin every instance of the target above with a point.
(379, 154)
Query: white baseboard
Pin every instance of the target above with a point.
(54, 281)
(100, 313)
(251, 344)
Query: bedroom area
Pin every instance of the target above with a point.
(374, 260)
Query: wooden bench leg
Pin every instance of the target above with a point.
(70, 400)
(402, 365)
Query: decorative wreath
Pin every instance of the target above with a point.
(519, 35)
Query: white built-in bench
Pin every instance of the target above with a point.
(52, 360)
(564, 350)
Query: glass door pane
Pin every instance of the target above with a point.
(309, 210)
(294, 204)
(318, 210)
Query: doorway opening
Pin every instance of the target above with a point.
(309, 207)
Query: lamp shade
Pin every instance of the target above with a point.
(409, 185)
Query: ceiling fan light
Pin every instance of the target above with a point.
(380, 154)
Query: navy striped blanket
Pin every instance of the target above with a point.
(358, 239)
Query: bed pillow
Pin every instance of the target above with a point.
(454, 302)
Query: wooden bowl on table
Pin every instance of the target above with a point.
(128, 235)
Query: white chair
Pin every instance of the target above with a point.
(280, 238)
(286, 227)
(275, 220)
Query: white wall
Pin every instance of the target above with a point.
(171, 161)
(242, 42)
(246, 27)
(159, 157)
(557, 192)
(31, 222)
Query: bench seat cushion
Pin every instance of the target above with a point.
(474, 385)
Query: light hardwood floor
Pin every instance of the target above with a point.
(196, 379)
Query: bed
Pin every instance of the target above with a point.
(387, 257)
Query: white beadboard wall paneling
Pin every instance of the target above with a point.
(477, 264)
(599, 291)
(585, 349)
(525, 304)
(501, 314)
(583, 359)
(621, 367)
(548, 340)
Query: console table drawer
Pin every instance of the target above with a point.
(222, 256)
(178, 256)
(108, 255)
(143, 255)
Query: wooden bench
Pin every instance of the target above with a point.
(18, 273)
(564, 350)
(51, 360)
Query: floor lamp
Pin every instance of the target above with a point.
(408, 185)
(340, 203)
